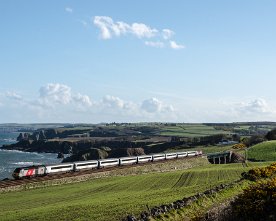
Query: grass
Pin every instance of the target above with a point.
(192, 130)
(114, 197)
(201, 206)
(265, 151)
(205, 149)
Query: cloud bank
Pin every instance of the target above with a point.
(59, 103)
(56, 102)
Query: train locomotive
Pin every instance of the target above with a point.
(43, 170)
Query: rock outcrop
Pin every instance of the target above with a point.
(126, 152)
(92, 154)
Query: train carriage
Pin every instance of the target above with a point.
(182, 154)
(128, 160)
(171, 156)
(59, 168)
(82, 165)
(108, 163)
(157, 157)
(30, 171)
(144, 158)
(192, 153)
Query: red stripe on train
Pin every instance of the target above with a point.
(30, 172)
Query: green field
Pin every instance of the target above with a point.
(114, 197)
(205, 149)
(190, 130)
(265, 151)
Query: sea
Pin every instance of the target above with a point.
(11, 159)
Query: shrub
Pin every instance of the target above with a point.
(257, 202)
(239, 146)
(258, 173)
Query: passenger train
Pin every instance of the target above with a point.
(42, 170)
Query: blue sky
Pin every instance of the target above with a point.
(129, 61)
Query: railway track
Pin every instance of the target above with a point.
(13, 182)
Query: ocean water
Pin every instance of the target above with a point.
(10, 159)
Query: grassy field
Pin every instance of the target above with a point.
(265, 151)
(205, 149)
(203, 205)
(114, 197)
(190, 130)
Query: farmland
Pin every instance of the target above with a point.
(112, 198)
(205, 150)
(190, 130)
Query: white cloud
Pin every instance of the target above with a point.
(57, 102)
(104, 23)
(258, 105)
(69, 10)
(83, 100)
(167, 33)
(153, 105)
(156, 44)
(109, 28)
(55, 93)
(176, 46)
(112, 101)
(142, 30)
(13, 95)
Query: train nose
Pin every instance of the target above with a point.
(15, 175)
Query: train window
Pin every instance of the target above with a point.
(87, 164)
(61, 167)
(114, 161)
(141, 158)
(128, 159)
(17, 170)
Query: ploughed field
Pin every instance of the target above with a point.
(112, 198)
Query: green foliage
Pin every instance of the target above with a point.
(197, 210)
(190, 130)
(253, 140)
(260, 172)
(257, 202)
(271, 135)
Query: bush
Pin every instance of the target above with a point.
(271, 135)
(257, 202)
(239, 146)
(258, 173)
(255, 139)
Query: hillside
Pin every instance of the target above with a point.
(265, 151)
(112, 198)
